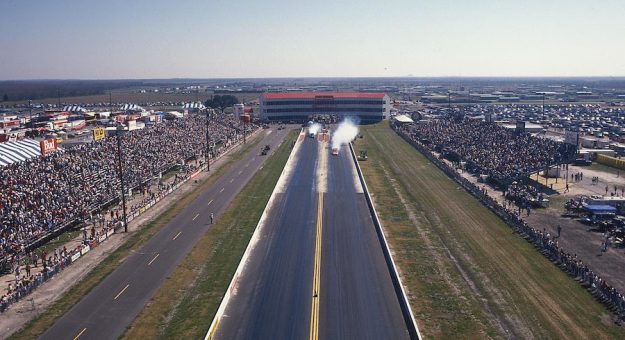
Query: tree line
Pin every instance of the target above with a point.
(221, 101)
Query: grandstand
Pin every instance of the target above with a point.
(301, 106)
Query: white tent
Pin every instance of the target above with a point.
(196, 106)
(404, 119)
(13, 152)
(74, 109)
(131, 107)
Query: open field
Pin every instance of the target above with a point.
(467, 274)
(186, 303)
(133, 96)
(39, 324)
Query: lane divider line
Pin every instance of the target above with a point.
(209, 202)
(79, 334)
(153, 259)
(314, 313)
(175, 237)
(222, 190)
(194, 217)
(121, 292)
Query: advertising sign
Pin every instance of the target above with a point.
(520, 127)
(571, 137)
(98, 134)
(48, 146)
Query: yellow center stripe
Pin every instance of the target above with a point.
(175, 237)
(153, 259)
(122, 291)
(314, 313)
(79, 334)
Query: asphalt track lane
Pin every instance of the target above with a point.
(274, 293)
(272, 299)
(358, 300)
(99, 315)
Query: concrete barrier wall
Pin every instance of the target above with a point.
(411, 323)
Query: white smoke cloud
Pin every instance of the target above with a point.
(314, 128)
(344, 133)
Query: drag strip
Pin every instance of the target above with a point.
(272, 297)
(317, 270)
(358, 300)
(112, 305)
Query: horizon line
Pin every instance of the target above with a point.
(319, 77)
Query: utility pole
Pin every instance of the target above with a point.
(244, 131)
(208, 163)
(120, 128)
(543, 105)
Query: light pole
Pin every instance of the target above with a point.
(543, 106)
(120, 128)
(208, 162)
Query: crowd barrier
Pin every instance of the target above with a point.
(611, 161)
(545, 243)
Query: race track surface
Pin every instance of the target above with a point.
(274, 295)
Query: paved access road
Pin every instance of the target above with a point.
(295, 288)
(111, 306)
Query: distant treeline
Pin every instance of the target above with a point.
(16, 90)
(221, 102)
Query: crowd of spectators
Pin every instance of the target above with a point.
(489, 149)
(36, 267)
(524, 195)
(546, 243)
(46, 193)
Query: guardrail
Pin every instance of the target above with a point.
(411, 323)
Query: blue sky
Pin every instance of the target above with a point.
(204, 39)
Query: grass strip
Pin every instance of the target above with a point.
(43, 321)
(186, 303)
(467, 275)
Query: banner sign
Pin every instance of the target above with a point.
(98, 134)
(571, 137)
(75, 257)
(48, 146)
